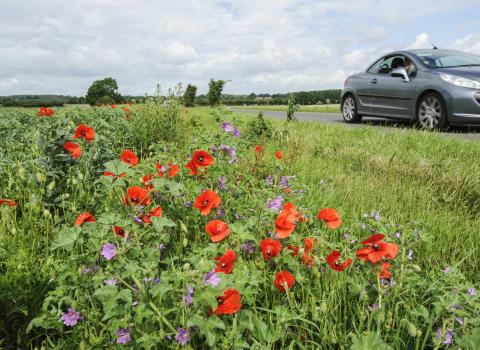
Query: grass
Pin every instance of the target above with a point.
(330, 108)
(424, 186)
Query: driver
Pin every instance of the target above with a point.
(409, 66)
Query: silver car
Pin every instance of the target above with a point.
(436, 88)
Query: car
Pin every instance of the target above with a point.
(434, 87)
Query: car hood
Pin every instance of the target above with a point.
(466, 72)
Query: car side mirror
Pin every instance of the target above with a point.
(400, 73)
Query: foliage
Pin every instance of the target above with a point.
(103, 90)
(189, 95)
(215, 88)
(259, 129)
(291, 109)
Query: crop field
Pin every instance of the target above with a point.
(327, 108)
(155, 226)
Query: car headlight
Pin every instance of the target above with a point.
(460, 81)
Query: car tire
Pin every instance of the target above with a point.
(431, 112)
(349, 110)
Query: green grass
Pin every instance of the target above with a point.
(330, 108)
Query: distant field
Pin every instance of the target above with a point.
(331, 108)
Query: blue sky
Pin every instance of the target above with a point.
(58, 46)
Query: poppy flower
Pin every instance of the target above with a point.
(8, 202)
(154, 212)
(293, 249)
(119, 231)
(172, 170)
(72, 148)
(225, 263)
(270, 248)
(284, 279)
(385, 273)
(45, 112)
(331, 217)
(332, 260)
(127, 113)
(129, 157)
(258, 149)
(228, 303)
(147, 182)
(307, 259)
(137, 196)
(84, 131)
(207, 201)
(108, 173)
(113, 106)
(83, 218)
(375, 250)
(217, 230)
(285, 222)
(199, 159)
(279, 154)
(308, 244)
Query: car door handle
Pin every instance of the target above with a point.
(374, 81)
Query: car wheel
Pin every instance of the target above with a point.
(431, 112)
(349, 110)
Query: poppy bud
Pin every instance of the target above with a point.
(412, 330)
(51, 185)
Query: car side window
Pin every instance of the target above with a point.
(374, 69)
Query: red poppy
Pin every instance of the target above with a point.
(332, 260)
(147, 182)
(119, 231)
(129, 157)
(8, 202)
(72, 148)
(137, 196)
(113, 105)
(217, 230)
(279, 154)
(225, 263)
(258, 149)
(84, 131)
(154, 212)
(229, 302)
(172, 169)
(285, 222)
(199, 159)
(307, 259)
(83, 218)
(331, 217)
(293, 249)
(385, 273)
(127, 113)
(270, 248)
(45, 112)
(207, 201)
(108, 173)
(375, 250)
(284, 279)
(308, 244)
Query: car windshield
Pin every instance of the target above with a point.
(446, 59)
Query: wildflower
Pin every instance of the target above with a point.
(83, 218)
(331, 217)
(235, 132)
(258, 149)
(45, 112)
(155, 212)
(188, 204)
(293, 249)
(233, 155)
(229, 302)
(459, 320)
(269, 180)
(270, 248)
(283, 280)
(189, 296)
(222, 180)
(439, 334)
(171, 170)
(71, 317)
(384, 273)
(472, 292)
(217, 230)
(109, 250)
(225, 263)
(110, 282)
(446, 270)
(375, 250)
(137, 196)
(276, 203)
(449, 337)
(207, 201)
(147, 182)
(119, 231)
(410, 254)
(123, 336)
(199, 159)
(183, 336)
(374, 307)
(227, 126)
(113, 105)
(284, 181)
(285, 222)
(211, 279)
(119, 176)
(279, 154)
(332, 260)
(8, 202)
(73, 148)
(247, 246)
(84, 131)
(129, 157)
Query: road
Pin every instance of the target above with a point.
(336, 118)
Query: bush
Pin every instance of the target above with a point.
(259, 129)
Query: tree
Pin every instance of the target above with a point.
(103, 90)
(189, 96)
(215, 88)
(292, 108)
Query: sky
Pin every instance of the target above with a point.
(261, 46)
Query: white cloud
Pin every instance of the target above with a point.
(422, 41)
(6, 84)
(469, 43)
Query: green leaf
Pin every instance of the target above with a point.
(160, 223)
(369, 341)
(66, 238)
(470, 341)
(117, 167)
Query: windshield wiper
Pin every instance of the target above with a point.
(462, 65)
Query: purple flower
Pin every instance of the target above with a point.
(269, 180)
(85, 270)
(248, 246)
(447, 270)
(71, 317)
(95, 268)
(225, 148)
(227, 126)
(213, 148)
(162, 247)
(448, 337)
(410, 254)
(373, 307)
(275, 204)
(110, 282)
(221, 213)
(187, 204)
(284, 181)
(123, 336)
(233, 155)
(109, 250)
(183, 336)
(211, 279)
(189, 296)
(377, 216)
(472, 292)
(222, 180)
(137, 219)
(235, 132)
(439, 334)
(363, 226)
(459, 319)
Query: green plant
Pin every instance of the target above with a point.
(215, 88)
(103, 91)
(292, 107)
(189, 95)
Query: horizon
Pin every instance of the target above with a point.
(274, 46)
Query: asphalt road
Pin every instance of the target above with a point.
(465, 133)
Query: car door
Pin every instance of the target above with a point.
(391, 96)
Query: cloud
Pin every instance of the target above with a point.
(469, 43)
(7, 84)
(422, 41)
